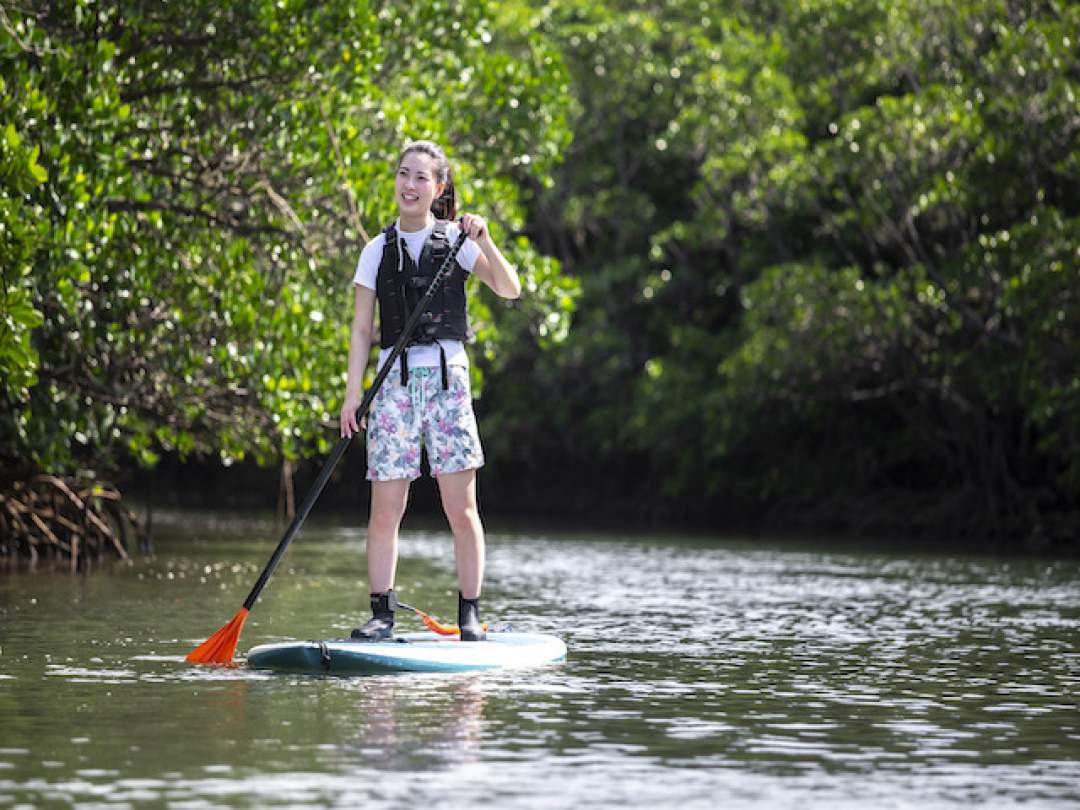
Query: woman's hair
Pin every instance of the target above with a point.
(445, 206)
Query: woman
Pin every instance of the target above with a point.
(425, 402)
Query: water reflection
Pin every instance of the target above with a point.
(403, 725)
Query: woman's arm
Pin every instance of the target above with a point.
(491, 266)
(363, 324)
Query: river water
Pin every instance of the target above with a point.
(701, 673)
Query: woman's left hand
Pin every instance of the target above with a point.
(474, 226)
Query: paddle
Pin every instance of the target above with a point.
(220, 647)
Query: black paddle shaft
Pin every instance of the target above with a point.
(343, 445)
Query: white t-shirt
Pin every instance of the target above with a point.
(367, 271)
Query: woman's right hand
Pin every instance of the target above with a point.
(349, 423)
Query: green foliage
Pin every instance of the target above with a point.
(187, 188)
(821, 254)
(828, 259)
(21, 235)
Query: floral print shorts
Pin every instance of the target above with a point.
(405, 418)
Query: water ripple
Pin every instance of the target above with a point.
(698, 674)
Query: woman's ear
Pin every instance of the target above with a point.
(440, 188)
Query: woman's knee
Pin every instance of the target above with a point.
(462, 517)
(387, 508)
(385, 519)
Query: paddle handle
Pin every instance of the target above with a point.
(343, 445)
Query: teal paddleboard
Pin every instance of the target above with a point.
(409, 652)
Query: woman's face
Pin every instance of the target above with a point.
(415, 186)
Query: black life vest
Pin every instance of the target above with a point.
(402, 282)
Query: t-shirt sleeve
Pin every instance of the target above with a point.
(367, 268)
(469, 252)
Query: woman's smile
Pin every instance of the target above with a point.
(415, 184)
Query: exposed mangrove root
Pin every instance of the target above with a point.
(53, 518)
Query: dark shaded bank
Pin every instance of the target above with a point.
(561, 499)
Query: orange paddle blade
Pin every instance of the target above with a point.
(220, 647)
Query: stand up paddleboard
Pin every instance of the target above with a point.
(409, 652)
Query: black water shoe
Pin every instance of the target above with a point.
(468, 619)
(380, 626)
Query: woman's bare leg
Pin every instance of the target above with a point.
(388, 501)
(458, 494)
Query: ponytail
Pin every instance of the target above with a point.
(444, 206)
